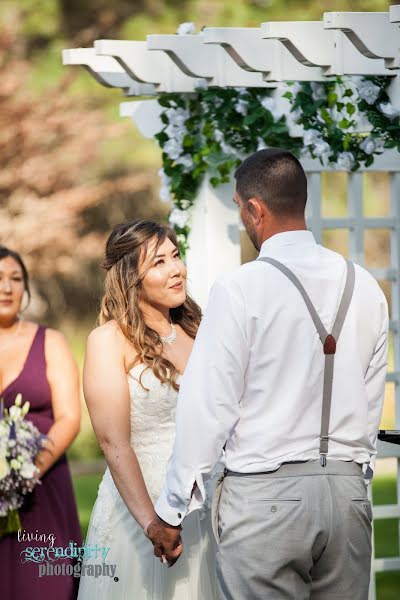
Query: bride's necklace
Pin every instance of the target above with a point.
(12, 337)
(169, 339)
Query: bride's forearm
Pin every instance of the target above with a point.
(128, 478)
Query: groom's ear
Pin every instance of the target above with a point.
(256, 208)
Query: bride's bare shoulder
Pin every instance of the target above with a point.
(109, 333)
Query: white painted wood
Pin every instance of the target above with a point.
(106, 70)
(251, 52)
(145, 114)
(145, 66)
(361, 29)
(214, 239)
(197, 59)
(394, 13)
(387, 511)
(313, 45)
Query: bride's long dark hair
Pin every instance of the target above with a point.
(127, 248)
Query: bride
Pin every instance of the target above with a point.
(133, 364)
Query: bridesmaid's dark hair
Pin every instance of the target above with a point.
(5, 253)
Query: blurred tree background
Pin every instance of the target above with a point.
(70, 168)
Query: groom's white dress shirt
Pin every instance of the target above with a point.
(254, 378)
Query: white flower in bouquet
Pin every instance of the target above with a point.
(345, 161)
(15, 412)
(368, 91)
(179, 217)
(4, 468)
(389, 110)
(28, 470)
(187, 28)
(20, 443)
(15, 464)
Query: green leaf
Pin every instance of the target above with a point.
(288, 95)
(332, 97)
(344, 124)
(348, 92)
(369, 160)
(351, 109)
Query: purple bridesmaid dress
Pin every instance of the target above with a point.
(49, 509)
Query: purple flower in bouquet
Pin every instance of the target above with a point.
(20, 443)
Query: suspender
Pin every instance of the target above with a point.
(328, 340)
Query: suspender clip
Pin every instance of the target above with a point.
(322, 460)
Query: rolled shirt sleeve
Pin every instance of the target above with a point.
(375, 385)
(208, 406)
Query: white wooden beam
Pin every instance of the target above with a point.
(106, 70)
(197, 59)
(361, 29)
(145, 66)
(313, 45)
(145, 114)
(251, 52)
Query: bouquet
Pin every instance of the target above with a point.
(20, 442)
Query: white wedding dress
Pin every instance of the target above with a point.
(140, 575)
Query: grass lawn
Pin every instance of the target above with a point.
(386, 531)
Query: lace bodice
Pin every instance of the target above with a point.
(152, 425)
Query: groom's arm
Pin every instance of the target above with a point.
(209, 401)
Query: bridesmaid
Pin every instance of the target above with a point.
(37, 363)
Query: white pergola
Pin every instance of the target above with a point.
(342, 43)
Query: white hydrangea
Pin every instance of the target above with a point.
(318, 91)
(311, 136)
(172, 149)
(176, 133)
(322, 150)
(345, 161)
(186, 161)
(165, 194)
(368, 145)
(270, 104)
(179, 217)
(187, 28)
(261, 145)
(389, 110)
(177, 117)
(242, 107)
(218, 135)
(368, 91)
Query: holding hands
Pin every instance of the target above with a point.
(166, 540)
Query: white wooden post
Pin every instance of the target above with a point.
(214, 239)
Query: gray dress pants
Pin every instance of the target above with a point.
(301, 532)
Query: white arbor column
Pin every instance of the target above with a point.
(214, 239)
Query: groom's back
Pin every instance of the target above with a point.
(282, 396)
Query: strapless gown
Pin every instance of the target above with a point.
(139, 575)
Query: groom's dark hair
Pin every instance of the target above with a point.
(276, 177)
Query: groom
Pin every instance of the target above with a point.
(286, 375)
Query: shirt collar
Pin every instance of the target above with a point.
(287, 238)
